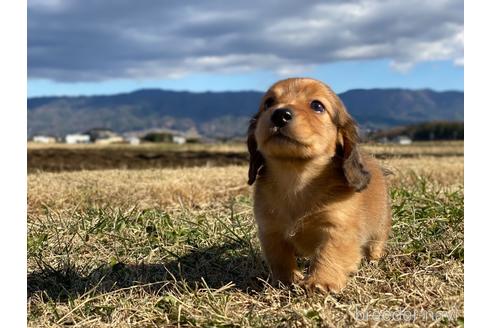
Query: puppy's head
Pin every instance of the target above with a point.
(300, 119)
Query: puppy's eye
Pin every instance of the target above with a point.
(269, 103)
(317, 106)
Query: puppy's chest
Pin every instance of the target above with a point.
(298, 211)
(289, 202)
(295, 210)
(303, 224)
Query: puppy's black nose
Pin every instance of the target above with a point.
(281, 117)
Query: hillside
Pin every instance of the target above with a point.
(224, 114)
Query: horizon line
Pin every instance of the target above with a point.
(223, 91)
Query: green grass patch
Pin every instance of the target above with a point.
(105, 266)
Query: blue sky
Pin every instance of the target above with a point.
(91, 47)
(343, 76)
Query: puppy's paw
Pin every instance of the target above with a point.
(287, 278)
(297, 276)
(375, 251)
(323, 284)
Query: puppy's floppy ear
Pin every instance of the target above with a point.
(256, 160)
(354, 168)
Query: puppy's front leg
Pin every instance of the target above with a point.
(280, 256)
(336, 258)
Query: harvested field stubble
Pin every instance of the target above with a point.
(62, 157)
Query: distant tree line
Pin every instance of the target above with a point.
(158, 137)
(437, 130)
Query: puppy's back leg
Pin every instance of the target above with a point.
(374, 248)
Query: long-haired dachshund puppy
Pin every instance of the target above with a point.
(317, 194)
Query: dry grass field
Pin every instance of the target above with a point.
(62, 157)
(154, 247)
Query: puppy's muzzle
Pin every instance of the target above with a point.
(281, 117)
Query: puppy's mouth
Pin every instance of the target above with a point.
(277, 134)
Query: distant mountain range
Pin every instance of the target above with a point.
(224, 114)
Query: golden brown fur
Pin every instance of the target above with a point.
(317, 195)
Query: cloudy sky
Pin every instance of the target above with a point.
(101, 47)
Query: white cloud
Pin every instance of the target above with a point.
(96, 40)
(402, 67)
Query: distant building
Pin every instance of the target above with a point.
(403, 140)
(192, 136)
(104, 136)
(77, 138)
(110, 140)
(133, 140)
(179, 140)
(44, 139)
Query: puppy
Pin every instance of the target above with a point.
(317, 195)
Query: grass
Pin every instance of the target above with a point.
(178, 247)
